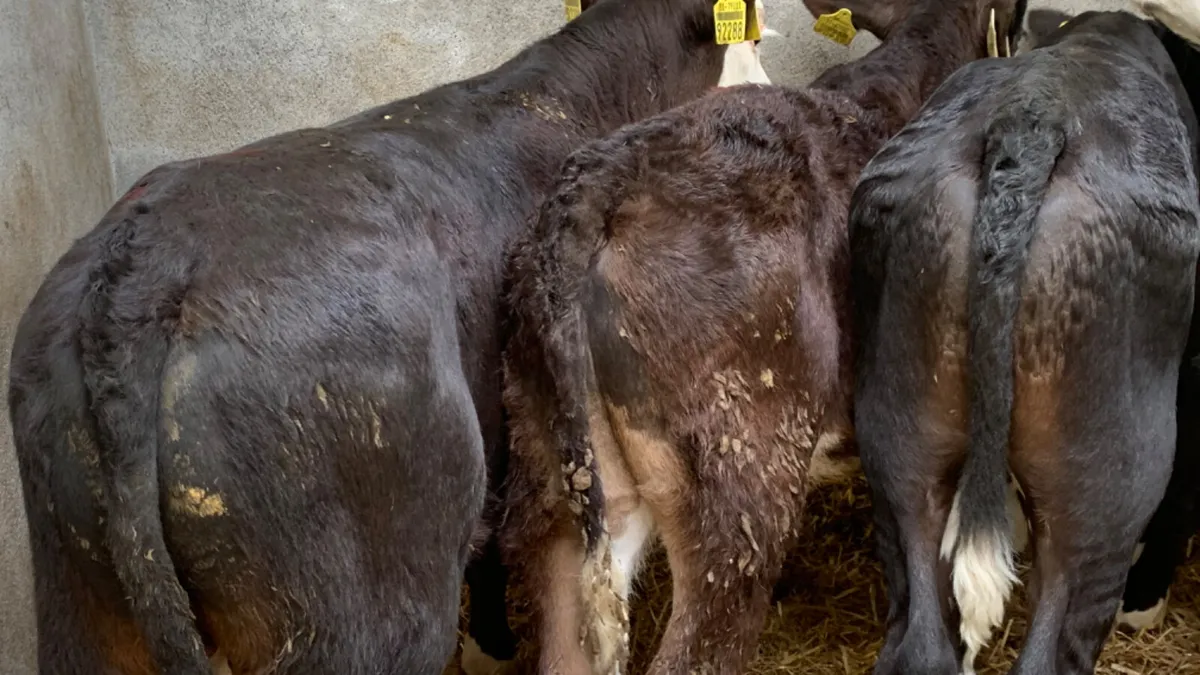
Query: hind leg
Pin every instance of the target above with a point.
(1085, 540)
(725, 537)
(1162, 549)
(581, 629)
(83, 623)
(1164, 545)
(911, 503)
(78, 632)
(895, 576)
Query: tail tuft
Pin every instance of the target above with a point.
(983, 574)
(605, 629)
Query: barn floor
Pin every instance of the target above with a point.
(829, 620)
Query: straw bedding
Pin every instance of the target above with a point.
(828, 619)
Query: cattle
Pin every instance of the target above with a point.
(1023, 263)
(1165, 542)
(679, 359)
(254, 407)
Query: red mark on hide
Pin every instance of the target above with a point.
(134, 192)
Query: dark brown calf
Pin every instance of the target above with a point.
(254, 406)
(680, 358)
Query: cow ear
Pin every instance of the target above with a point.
(1039, 24)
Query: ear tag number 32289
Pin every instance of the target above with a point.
(730, 17)
(838, 26)
(573, 7)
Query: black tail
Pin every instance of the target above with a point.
(124, 340)
(551, 338)
(570, 231)
(1022, 146)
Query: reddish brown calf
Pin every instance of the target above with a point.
(680, 354)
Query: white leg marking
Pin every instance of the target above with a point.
(628, 548)
(983, 575)
(1146, 618)
(476, 662)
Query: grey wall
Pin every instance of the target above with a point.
(190, 77)
(181, 78)
(54, 184)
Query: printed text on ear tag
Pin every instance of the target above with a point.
(573, 7)
(730, 17)
(838, 26)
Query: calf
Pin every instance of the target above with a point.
(1024, 256)
(679, 362)
(252, 407)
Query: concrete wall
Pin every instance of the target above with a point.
(189, 77)
(54, 184)
(186, 77)
(181, 78)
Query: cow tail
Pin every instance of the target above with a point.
(1021, 148)
(123, 341)
(571, 229)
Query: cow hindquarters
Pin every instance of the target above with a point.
(78, 630)
(1164, 545)
(725, 540)
(909, 475)
(1087, 516)
(581, 599)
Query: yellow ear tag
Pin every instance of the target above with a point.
(838, 26)
(573, 7)
(1064, 23)
(992, 51)
(730, 17)
(754, 22)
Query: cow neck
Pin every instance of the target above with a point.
(623, 61)
(894, 80)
